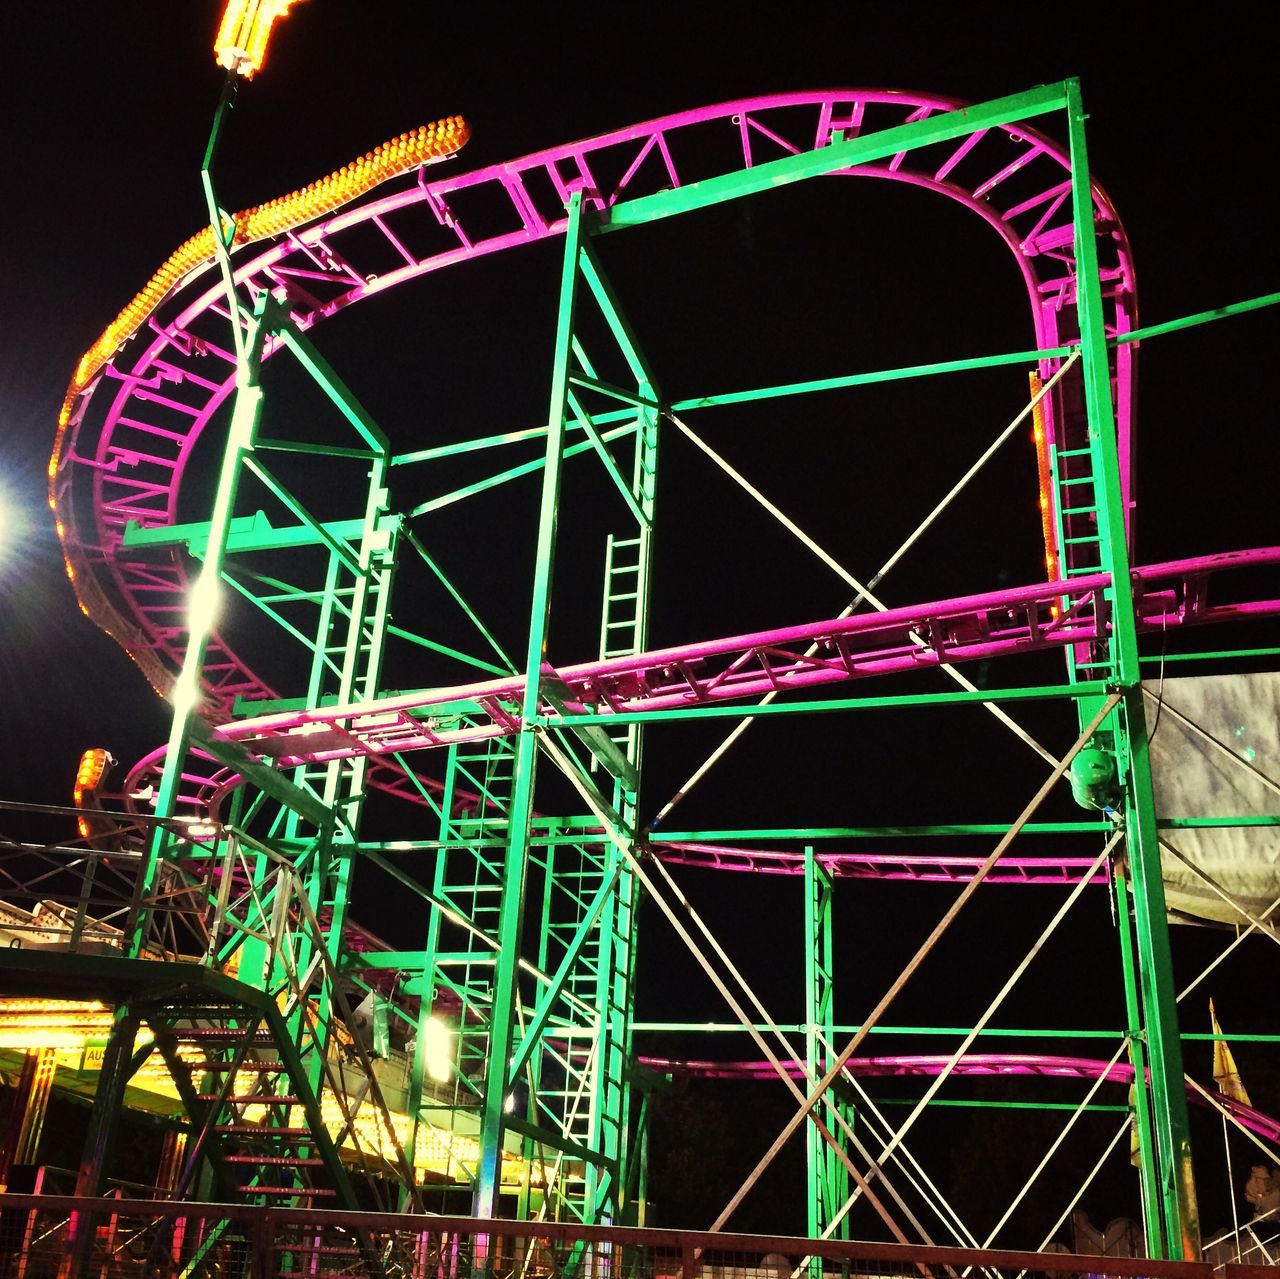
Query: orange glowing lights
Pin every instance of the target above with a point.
(241, 43)
(93, 768)
(1045, 478)
(400, 155)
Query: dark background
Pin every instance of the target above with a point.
(106, 114)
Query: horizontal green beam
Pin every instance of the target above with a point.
(957, 1104)
(1234, 1038)
(868, 379)
(731, 835)
(837, 155)
(1230, 823)
(753, 710)
(1200, 317)
(991, 1032)
(248, 533)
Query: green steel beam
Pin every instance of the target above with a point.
(443, 578)
(1029, 358)
(1158, 996)
(1200, 317)
(1094, 1108)
(1141, 1108)
(245, 415)
(444, 650)
(335, 388)
(738, 711)
(732, 834)
(837, 155)
(583, 419)
(511, 909)
(1218, 654)
(512, 473)
(547, 1000)
(1024, 358)
(247, 533)
(281, 493)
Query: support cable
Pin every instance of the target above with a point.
(1084, 1185)
(1061, 1137)
(967, 1042)
(1266, 914)
(609, 821)
(841, 1121)
(926, 947)
(863, 593)
(908, 1162)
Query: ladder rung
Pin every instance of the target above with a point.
(1074, 452)
(1078, 510)
(1077, 541)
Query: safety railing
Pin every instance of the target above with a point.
(43, 1237)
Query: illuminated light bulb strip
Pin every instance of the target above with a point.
(424, 145)
(1045, 477)
(241, 43)
(93, 766)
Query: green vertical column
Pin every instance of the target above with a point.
(506, 987)
(827, 1179)
(1155, 963)
(1147, 1168)
(245, 415)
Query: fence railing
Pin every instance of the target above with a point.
(47, 1237)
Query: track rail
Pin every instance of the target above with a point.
(1005, 1065)
(948, 632)
(129, 425)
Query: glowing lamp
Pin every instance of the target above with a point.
(185, 694)
(202, 606)
(89, 776)
(241, 43)
(438, 1047)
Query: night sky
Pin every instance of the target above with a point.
(106, 113)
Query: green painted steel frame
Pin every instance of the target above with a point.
(586, 955)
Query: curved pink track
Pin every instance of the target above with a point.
(979, 1064)
(133, 428)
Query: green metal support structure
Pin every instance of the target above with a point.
(524, 963)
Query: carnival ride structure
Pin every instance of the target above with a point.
(244, 838)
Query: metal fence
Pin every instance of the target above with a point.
(47, 1237)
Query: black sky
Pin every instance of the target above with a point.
(106, 111)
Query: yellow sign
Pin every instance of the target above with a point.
(94, 1051)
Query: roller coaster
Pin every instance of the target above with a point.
(238, 954)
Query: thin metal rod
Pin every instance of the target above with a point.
(1084, 1185)
(908, 1163)
(1057, 1142)
(1218, 1106)
(1266, 914)
(752, 998)
(926, 947)
(967, 1042)
(610, 822)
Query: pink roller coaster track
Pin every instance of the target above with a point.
(133, 429)
(972, 1064)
